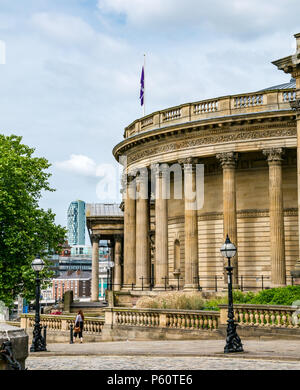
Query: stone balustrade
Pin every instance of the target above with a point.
(171, 114)
(57, 323)
(248, 100)
(266, 316)
(163, 318)
(245, 315)
(206, 106)
(213, 108)
(289, 96)
(260, 319)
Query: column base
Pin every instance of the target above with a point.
(161, 287)
(277, 285)
(191, 287)
(142, 288)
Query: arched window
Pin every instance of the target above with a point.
(177, 254)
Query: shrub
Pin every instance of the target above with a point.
(278, 296)
(193, 301)
(172, 300)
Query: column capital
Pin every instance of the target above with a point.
(126, 179)
(188, 161)
(227, 159)
(274, 155)
(95, 238)
(295, 105)
(142, 174)
(158, 170)
(118, 237)
(130, 177)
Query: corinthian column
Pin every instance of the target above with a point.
(95, 238)
(142, 231)
(129, 232)
(161, 229)
(228, 162)
(117, 267)
(278, 274)
(190, 224)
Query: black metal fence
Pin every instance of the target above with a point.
(210, 283)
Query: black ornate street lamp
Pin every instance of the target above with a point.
(38, 341)
(233, 342)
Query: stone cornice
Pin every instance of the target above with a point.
(253, 121)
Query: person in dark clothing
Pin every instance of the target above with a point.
(79, 323)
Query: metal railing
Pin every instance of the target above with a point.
(208, 283)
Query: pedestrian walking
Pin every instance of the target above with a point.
(78, 328)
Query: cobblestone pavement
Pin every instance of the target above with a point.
(154, 363)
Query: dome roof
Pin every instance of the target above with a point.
(291, 84)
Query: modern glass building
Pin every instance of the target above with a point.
(76, 223)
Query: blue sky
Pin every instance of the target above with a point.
(71, 79)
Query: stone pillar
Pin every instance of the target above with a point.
(278, 271)
(142, 231)
(161, 229)
(190, 225)
(117, 267)
(95, 238)
(228, 161)
(129, 233)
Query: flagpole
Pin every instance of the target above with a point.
(144, 85)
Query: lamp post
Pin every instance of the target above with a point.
(38, 341)
(55, 284)
(233, 342)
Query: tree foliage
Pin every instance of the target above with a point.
(25, 229)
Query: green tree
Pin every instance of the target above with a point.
(25, 229)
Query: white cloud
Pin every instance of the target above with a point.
(66, 28)
(239, 18)
(78, 164)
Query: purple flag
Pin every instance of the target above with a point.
(142, 88)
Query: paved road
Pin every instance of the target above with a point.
(154, 363)
(168, 355)
(254, 349)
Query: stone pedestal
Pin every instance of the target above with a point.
(19, 340)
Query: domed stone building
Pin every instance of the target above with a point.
(245, 147)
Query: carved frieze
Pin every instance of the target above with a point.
(202, 139)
